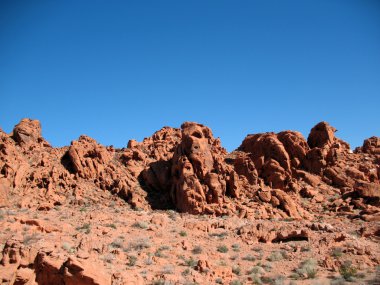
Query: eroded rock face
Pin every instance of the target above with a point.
(281, 177)
(44, 267)
(371, 145)
(187, 169)
(325, 148)
(274, 155)
(201, 178)
(27, 131)
(321, 135)
(88, 157)
(367, 190)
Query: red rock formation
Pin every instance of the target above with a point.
(325, 148)
(27, 132)
(371, 146)
(276, 156)
(271, 176)
(88, 158)
(186, 169)
(321, 135)
(201, 178)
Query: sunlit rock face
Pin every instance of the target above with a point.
(275, 155)
(201, 178)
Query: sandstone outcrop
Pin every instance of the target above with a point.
(371, 146)
(27, 132)
(201, 178)
(276, 188)
(187, 169)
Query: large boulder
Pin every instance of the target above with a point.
(275, 155)
(201, 178)
(367, 189)
(27, 131)
(321, 135)
(372, 145)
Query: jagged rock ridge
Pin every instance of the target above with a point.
(187, 169)
(271, 179)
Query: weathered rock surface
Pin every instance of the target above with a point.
(272, 177)
(186, 169)
(27, 132)
(201, 178)
(371, 146)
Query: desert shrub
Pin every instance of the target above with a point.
(66, 246)
(275, 256)
(182, 233)
(117, 243)
(236, 282)
(140, 225)
(278, 280)
(191, 262)
(249, 257)
(197, 250)
(108, 257)
(308, 269)
(267, 266)
(164, 247)
(139, 244)
(172, 215)
(149, 260)
(219, 235)
(256, 279)
(256, 270)
(111, 226)
(29, 239)
(132, 260)
(167, 269)
(338, 281)
(86, 228)
(159, 253)
(186, 272)
(82, 209)
(236, 270)
(236, 247)
(222, 249)
(347, 271)
(337, 252)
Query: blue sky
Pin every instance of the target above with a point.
(117, 70)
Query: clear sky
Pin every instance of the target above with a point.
(117, 70)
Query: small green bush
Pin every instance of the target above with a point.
(249, 257)
(236, 247)
(111, 226)
(197, 250)
(275, 256)
(308, 268)
(236, 270)
(86, 228)
(222, 248)
(337, 252)
(347, 271)
(132, 260)
(191, 262)
(140, 225)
